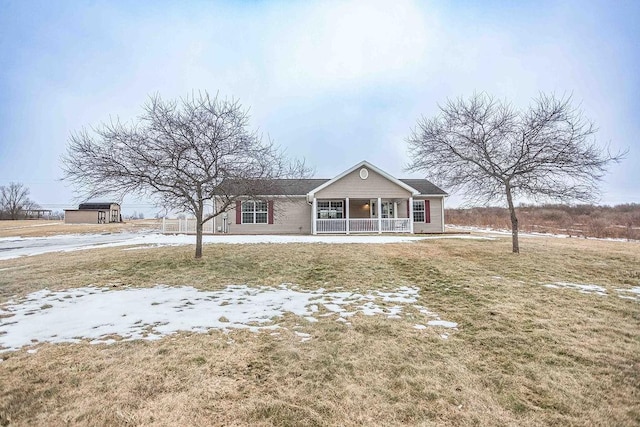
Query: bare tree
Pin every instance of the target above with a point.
(14, 199)
(494, 152)
(180, 153)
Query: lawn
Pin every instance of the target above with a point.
(522, 354)
(39, 228)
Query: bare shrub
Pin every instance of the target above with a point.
(617, 222)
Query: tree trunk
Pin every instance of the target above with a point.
(199, 235)
(514, 221)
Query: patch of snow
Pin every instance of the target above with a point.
(14, 247)
(99, 314)
(444, 336)
(107, 341)
(458, 236)
(504, 232)
(443, 323)
(580, 287)
(419, 327)
(425, 311)
(305, 337)
(635, 293)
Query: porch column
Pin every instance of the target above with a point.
(346, 209)
(379, 206)
(411, 215)
(395, 210)
(314, 215)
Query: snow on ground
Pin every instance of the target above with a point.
(632, 293)
(503, 232)
(101, 315)
(583, 288)
(26, 246)
(587, 288)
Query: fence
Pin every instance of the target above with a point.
(185, 226)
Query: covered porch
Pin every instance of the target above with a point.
(346, 216)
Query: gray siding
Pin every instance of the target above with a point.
(80, 217)
(436, 224)
(290, 216)
(353, 186)
(90, 216)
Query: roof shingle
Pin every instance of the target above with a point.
(300, 187)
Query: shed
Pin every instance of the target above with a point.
(94, 213)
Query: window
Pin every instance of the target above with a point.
(421, 211)
(254, 212)
(418, 211)
(330, 209)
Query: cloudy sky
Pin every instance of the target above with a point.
(334, 82)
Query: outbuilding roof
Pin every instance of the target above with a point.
(96, 205)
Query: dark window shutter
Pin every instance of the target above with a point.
(270, 211)
(408, 211)
(238, 212)
(427, 211)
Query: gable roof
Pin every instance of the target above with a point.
(307, 187)
(96, 205)
(373, 168)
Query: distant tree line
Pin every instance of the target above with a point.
(15, 202)
(134, 215)
(584, 220)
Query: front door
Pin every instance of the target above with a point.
(387, 209)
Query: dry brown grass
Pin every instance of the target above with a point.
(524, 354)
(42, 228)
(618, 222)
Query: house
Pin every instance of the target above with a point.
(362, 199)
(93, 213)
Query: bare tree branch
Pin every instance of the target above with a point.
(178, 152)
(492, 152)
(14, 199)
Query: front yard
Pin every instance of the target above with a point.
(431, 332)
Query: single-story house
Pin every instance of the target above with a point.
(93, 213)
(362, 199)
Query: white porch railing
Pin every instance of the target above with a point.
(363, 225)
(185, 226)
(395, 225)
(331, 226)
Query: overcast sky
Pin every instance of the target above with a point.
(332, 82)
